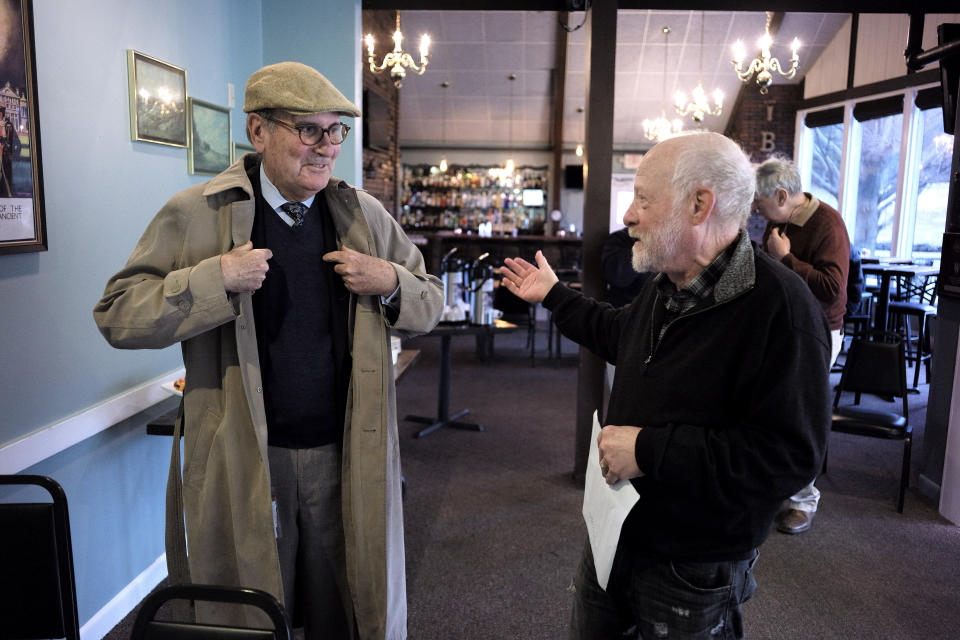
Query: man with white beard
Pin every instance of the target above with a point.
(717, 411)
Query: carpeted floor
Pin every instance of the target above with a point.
(494, 532)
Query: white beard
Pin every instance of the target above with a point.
(654, 250)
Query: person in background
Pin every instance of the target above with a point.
(811, 239)
(282, 284)
(8, 145)
(856, 283)
(717, 412)
(623, 282)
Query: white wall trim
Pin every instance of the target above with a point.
(113, 612)
(54, 438)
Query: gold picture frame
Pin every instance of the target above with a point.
(208, 126)
(240, 149)
(158, 100)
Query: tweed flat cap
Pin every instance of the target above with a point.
(296, 88)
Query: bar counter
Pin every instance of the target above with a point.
(560, 252)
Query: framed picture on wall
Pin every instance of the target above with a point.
(158, 100)
(210, 147)
(239, 149)
(22, 218)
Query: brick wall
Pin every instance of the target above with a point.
(380, 167)
(765, 126)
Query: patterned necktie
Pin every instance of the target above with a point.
(296, 211)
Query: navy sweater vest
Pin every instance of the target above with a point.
(300, 315)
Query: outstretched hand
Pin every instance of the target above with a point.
(526, 281)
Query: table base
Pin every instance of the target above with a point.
(439, 423)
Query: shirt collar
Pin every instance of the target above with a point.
(698, 289)
(804, 213)
(273, 197)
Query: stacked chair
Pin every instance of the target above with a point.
(913, 305)
(38, 593)
(147, 627)
(875, 366)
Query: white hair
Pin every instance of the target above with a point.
(707, 159)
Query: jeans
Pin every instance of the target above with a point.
(669, 599)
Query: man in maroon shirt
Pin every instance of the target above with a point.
(811, 239)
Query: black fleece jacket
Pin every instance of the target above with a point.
(734, 403)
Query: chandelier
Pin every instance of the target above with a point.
(660, 128)
(398, 59)
(764, 65)
(700, 106)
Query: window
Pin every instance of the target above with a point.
(879, 164)
(936, 151)
(890, 189)
(827, 143)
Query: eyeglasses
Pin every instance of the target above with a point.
(311, 134)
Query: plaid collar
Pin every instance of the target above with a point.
(699, 289)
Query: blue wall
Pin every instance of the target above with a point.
(101, 190)
(327, 36)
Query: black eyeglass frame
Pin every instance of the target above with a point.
(299, 127)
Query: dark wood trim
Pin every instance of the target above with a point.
(598, 164)
(804, 6)
(559, 103)
(923, 77)
(852, 52)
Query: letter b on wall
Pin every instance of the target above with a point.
(767, 139)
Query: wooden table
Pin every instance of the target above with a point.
(443, 418)
(887, 271)
(162, 425)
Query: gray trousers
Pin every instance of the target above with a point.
(305, 484)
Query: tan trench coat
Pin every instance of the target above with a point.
(170, 291)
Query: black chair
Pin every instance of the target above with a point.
(38, 593)
(860, 320)
(145, 627)
(914, 298)
(876, 367)
(857, 324)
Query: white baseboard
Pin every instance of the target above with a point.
(52, 439)
(124, 602)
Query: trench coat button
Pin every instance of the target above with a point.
(423, 294)
(184, 306)
(243, 326)
(259, 389)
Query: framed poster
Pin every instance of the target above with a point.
(158, 100)
(22, 218)
(240, 149)
(210, 146)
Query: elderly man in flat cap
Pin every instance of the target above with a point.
(282, 285)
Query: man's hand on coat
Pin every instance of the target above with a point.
(244, 268)
(528, 282)
(617, 448)
(362, 274)
(778, 244)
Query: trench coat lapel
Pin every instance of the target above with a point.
(372, 509)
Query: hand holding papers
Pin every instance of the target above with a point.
(605, 507)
